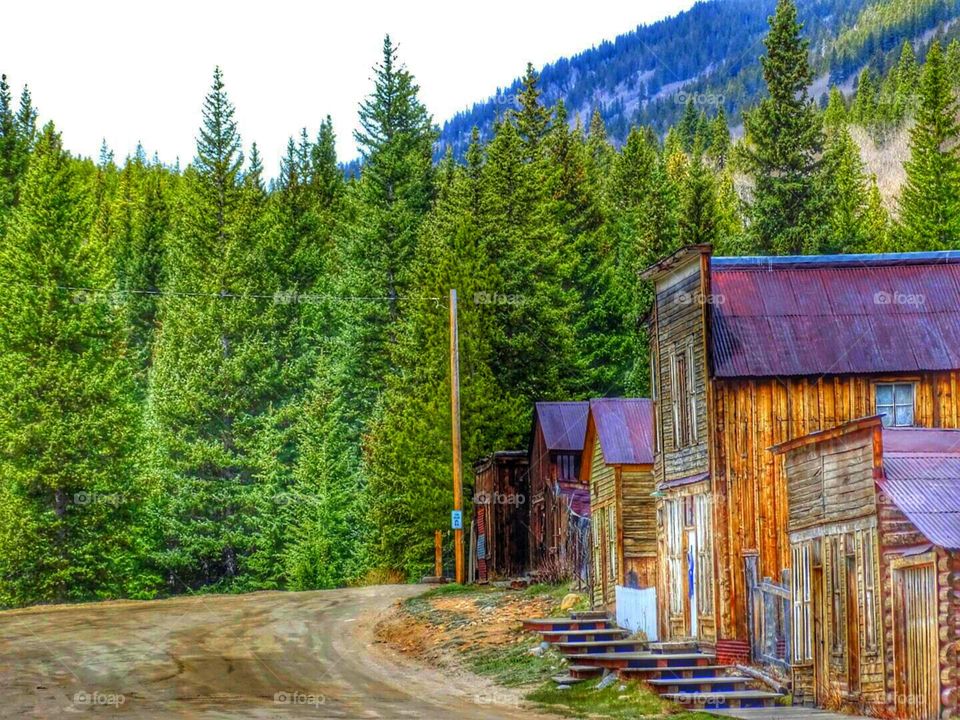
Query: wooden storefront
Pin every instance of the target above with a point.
(872, 597)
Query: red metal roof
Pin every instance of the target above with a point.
(922, 478)
(576, 496)
(821, 315)
(625, 429)
(564, 424)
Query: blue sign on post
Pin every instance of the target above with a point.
(456, 519)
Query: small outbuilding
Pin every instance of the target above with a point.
(618, 459)
(501, 515)
(559, 500)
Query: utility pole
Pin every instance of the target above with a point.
(455, 416)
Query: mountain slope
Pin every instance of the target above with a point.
(710, 55)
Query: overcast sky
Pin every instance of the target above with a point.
(129, 71)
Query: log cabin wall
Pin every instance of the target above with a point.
(900, 540)
(748, 485)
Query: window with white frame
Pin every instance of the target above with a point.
(895, 401)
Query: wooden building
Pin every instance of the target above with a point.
(618, 467)
(874, 533)
(559, 500)
(501, 515)
(748, 353)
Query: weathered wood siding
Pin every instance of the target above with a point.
(603, 507)
(638, 513)
(539, 512)
(679, 324)
(748, 417)
(832, 513)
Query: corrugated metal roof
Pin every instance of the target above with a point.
(625, 429)
(922, 478)
(564, 424)
(577, 498)
(820, 315)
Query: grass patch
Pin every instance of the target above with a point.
(514, 666)
(620, 700)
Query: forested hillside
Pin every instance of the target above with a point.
(710, 54)
(213, 383)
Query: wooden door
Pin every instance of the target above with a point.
(821, 661)
(916, 661)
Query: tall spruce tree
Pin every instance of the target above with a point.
(218, 376)
(930, 198)
(783, 144)
(377, 240)
(70, 490)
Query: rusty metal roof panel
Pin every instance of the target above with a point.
(564, 424)
(922, 477)
(822, 315)
(625, 429)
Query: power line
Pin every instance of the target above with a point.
(281, 296)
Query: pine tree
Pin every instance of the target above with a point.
(847, 190)
(784, 141)
(719, 149)
(377, 240)
(930, 199)
(70, 491)
(218, 382)
(835, 114)
(17, 130)
(698, 212)
(532, 118)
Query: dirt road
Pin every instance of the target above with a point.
(262, 655)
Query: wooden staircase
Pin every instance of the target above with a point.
(679, 671)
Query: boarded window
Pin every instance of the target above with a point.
(683, 396)
(895, 402)
(568, 466)
(802, 620)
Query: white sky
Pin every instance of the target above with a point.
(135, 70)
